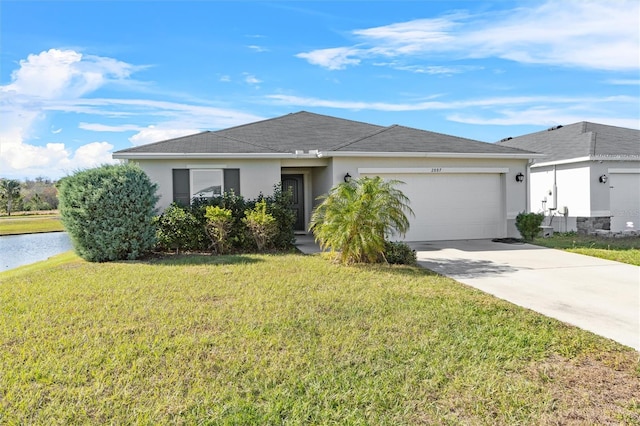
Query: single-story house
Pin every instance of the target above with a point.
(589, 178)
(458, 188)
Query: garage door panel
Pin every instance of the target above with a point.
(453, 206)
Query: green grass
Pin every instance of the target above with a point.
(626, 250)
(13, 225)
(276, 340)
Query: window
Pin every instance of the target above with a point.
(203, 183)
(206, 183)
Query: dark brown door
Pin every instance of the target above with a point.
(296, 183)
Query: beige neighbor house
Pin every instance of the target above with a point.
(589, 178)
(458, 188)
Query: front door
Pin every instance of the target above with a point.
(296, 184)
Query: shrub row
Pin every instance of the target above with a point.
(228, 223)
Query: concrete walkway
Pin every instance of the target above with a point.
(597, 295)
(594, 294)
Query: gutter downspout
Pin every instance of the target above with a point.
(555, 190)
(527, 188)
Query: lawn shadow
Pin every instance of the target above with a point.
(404, 270)
(191, 259)
(465, 268)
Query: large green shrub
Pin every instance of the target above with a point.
(108, 212)
(528, 224)
(356, 217)
(180, 230)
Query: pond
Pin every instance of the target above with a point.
(19, 250)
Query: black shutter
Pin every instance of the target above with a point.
(232, 181)
(181, 187)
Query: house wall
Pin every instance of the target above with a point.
(588, 201)
(256, 176)
(513, 202)
(571, 190)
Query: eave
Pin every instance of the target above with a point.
(523, 156)
(589, 158)
(315, 154)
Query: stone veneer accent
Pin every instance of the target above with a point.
(588, 225)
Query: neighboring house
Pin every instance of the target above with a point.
(589, 178)
(458, 188)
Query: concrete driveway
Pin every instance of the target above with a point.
(594, 294)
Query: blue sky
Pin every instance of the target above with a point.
(82, 79)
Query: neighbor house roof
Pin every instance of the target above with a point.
(304, 131)
(579, 141)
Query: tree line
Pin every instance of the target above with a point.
(28, 195)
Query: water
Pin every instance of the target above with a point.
(19, 250)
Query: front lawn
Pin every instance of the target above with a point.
(291, 339)
(626, 250)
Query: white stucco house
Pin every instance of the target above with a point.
(588, 179)
(458, 188)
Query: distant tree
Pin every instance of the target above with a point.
(9, 193)
(356, 217)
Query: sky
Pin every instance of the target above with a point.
(82, 79)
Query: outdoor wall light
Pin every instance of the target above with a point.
(347, 177)
(519, 177)
(603, 179)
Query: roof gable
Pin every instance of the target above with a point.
(305, 131)
(300, 131)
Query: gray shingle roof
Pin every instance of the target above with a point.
(405, 139)
(308, 131)
(578, 140)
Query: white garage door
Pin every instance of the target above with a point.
(625, 201)
(454, 206)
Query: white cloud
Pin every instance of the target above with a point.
(257, 48)
(53, 77)
(574, 33)
(624, 82)
(334, 59)
(60, 81)
(516, 110)
(53, 160)
(65, 74)
(251, 79)
(542, 117)
(97, 127)
(585, 102)
(153, 134)
(92, 155)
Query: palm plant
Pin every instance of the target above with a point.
(356, 217)
(9, 192)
